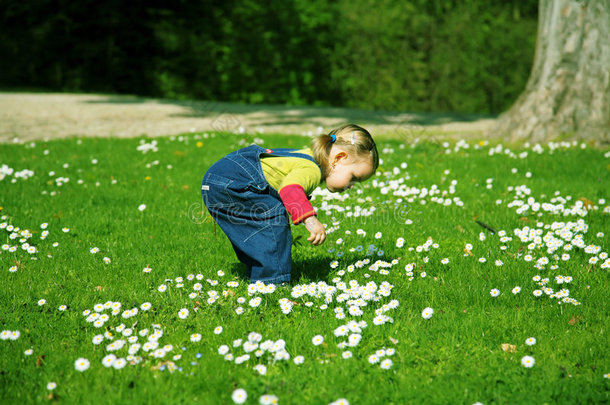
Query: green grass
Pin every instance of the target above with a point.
(454, 357)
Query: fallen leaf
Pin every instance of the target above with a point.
(468, 252)
(507, 347)
(394, 341)
(163, 363)
(586, 202)
(98, 288)
(39, 361)
(574, 320)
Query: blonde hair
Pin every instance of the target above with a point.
(350, 137)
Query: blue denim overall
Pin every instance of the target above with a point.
(251, 213)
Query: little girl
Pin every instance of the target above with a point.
(250, 191)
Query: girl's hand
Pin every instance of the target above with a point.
(315, 227)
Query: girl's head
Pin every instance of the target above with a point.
(347, 155)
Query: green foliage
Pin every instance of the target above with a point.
(463, 56)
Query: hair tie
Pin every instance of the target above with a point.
(333, 138)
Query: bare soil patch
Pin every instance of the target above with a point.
(36, 116)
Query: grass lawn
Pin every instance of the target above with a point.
(108, 251)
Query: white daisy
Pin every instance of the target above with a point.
(427, 313)
(530, 341)
(528, 361)
(386, 364)
(239, 396)
(81, 364)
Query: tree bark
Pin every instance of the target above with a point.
(568, 92)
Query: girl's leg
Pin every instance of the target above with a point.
(263, 245)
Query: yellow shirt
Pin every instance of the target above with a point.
(283, 171)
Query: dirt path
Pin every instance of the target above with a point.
(35, 116)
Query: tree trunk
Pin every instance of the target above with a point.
(568, 92)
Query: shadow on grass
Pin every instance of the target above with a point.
(263, 115)
(314, 269)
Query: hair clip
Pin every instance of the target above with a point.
(352, 138)
(333, 138)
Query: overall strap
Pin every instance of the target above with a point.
(287, 152)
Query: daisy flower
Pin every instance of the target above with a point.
(255, 302)
(268, 400)
(427, 313)
(81, 364)
(516, 290)
(51, 386)
(218, 330)
(142, 207)
(106, 260)
(28, 352)
(183, 313)
(530, 341)
(146, 269)
(195, 337)
(373, 359)
(261, 368)
(41, 302)
(119, 363)
(528, 361)
(317, 340)
(445, 260)
(298, 360)
(239, 396)
(94, 250)
(494, 292)
(386, 364)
